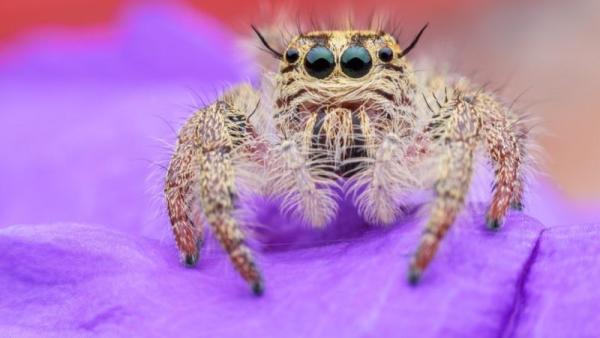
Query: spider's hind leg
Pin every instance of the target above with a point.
(179, 195)
(505, 136)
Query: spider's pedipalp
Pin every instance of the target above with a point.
(379, 187)
(306, 185)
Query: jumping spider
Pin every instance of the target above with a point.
(346, 112)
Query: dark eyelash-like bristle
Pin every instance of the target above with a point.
(414, 42)
(277, 54)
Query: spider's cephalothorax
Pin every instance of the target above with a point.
(339, 88)
(346, 112)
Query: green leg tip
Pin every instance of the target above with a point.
(414, 276)
(191, 260)
(493, 223)
(258, 288)
(517, 206)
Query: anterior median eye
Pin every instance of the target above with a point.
(356, 61)
(319, 62)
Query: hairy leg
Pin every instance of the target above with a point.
(463, 122)
(181, 177)
(203, 166)
(455, 129)
(217, 196)
(505, 137)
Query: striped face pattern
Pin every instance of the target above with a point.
(340, 87)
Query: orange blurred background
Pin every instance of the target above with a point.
(552, 43)
(23, 15)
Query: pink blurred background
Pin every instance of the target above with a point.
(547, 49)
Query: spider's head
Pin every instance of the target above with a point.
(343, 69)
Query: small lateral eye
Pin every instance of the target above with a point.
(386, 54)
(292, 55)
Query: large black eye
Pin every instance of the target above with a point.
(292, 55)
(356, 61)
(319, 62)
(386, 54)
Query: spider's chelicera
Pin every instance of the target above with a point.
(346, 112)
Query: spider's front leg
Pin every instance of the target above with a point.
(202, 172)
(464, 122)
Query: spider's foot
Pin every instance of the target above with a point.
(190, 261)
(518, 205)
(414, 275)
(493, 223)
(258, 288)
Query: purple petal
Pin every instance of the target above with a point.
(78, 279)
